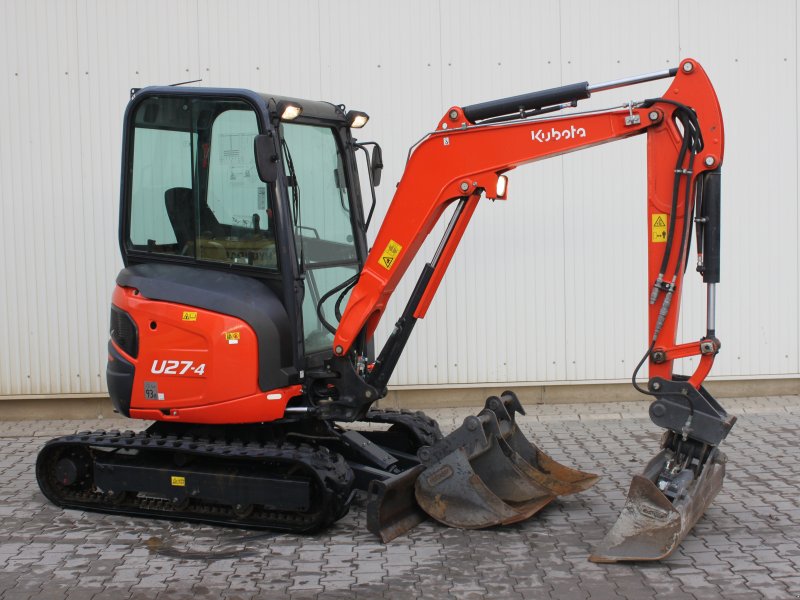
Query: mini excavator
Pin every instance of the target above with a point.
(242, 323)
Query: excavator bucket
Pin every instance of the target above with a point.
(652, 524)
(476, 484)
(483, 474)
(559, 479)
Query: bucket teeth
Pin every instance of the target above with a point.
(651, 526)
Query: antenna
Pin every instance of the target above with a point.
(185, 82)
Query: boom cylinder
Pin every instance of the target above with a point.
(390, 354)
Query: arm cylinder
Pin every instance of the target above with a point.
(532, 100)
(618, 83)
(553, 96)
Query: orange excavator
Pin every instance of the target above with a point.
(242, 323)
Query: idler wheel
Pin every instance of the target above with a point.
(73, 469)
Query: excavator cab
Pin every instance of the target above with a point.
(233, 188)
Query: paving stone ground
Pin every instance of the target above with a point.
(746, 546)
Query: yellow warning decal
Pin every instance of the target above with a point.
(658, 227)
(189, 315)
(390, 254)
(178, 481)
(233, 335)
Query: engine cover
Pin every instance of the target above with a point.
(188, 362)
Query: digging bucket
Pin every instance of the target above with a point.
(483, 474)
(651, 524)
(471, 480)
(550, 474)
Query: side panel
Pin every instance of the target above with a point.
(195, 365)
(185, 354)
(223, 293)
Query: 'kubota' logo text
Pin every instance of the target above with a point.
(558, 134)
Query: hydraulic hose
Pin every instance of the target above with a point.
(347, 283)
(691, 144)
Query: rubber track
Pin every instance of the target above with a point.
(424, 428)
(334, 478)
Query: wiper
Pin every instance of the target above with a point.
(297, 216)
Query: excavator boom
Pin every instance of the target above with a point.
(466, 158)
(463, 160)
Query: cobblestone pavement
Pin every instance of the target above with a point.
(746, 546)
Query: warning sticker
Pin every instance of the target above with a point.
(390, 254)
(189, 315)
(233, 337)
(178, 481)
(658, 227)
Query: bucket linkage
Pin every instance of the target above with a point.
(679, 483)
(483, 474)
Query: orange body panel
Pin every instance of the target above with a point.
(196, 365)
(461, 159)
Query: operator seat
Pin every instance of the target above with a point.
(179, 202)
(180, 209)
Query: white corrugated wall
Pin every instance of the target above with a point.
(547, 287)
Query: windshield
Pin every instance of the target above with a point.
(320, 206)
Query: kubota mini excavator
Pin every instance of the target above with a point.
(243, 235)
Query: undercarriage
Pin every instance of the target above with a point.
(274, 476)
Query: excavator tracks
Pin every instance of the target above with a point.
(265, 485)
(421, 429)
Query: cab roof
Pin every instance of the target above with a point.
(314, 109)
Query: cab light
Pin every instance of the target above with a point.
(357, 119)
(288, 110)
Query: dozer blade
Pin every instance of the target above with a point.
(559, 479)
(651, 526)
(392, 509)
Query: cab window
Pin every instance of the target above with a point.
(323, 226)
(195, 192)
